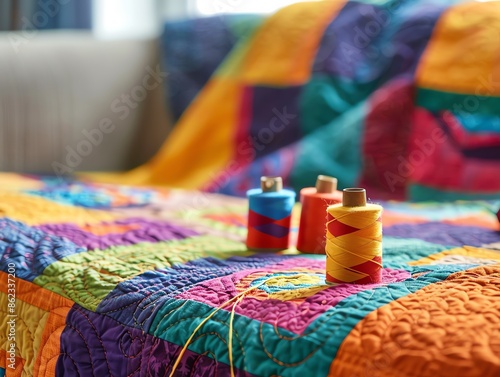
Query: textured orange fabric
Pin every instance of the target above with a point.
(49, 351)
(445, 329)
(38, 308)
(391, 218)
(17, 372)
(482, 221)
(463, 50)
(37, 296)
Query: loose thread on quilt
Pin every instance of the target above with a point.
(354, 240)
(188, 342)
(235, 300)
(269, 215)
(230, 337)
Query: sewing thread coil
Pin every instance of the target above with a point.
(354, 240)
(269, 215)
(315, 200)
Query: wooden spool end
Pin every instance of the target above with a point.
(271, 184)
(354, 197)
(326, 184)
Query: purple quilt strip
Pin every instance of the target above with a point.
(145, 231)
(95, 345)
(444, 234)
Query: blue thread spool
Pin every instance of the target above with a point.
(269, 215)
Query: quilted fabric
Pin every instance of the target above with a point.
(398, 96)
(120, 281)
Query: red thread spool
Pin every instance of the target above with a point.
(315, 201)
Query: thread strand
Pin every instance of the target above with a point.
(236, 300)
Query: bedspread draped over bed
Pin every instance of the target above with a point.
(398, 96)
(114, 281)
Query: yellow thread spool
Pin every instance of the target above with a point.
(354, 240)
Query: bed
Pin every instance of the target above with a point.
(124, 281)
(146, 273)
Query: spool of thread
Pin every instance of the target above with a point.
(269, 215)
(315, 201)
(354, 240)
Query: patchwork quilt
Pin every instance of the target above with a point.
(401, 97)
(104, 280)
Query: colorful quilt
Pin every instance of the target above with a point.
(398, 96)
(192, 50)
(102, 280)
